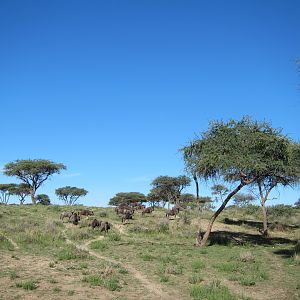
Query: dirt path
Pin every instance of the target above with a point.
(153, 288)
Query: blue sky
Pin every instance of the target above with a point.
(114, 88)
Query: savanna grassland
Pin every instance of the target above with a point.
(150, 257)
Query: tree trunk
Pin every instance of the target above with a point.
(201, 241)
(32, 194)
(197, 192)
(265, 220)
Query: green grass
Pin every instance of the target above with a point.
(5, 244)
(99, 245)
(71, 252)
(214, 291)
(27, 285)
(111, 284)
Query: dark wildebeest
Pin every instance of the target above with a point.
(147, 210)
(86, 212)
(95, 223)
(74, 218)
(127, 216)
(66, 214)
(123, 209)
(172, 212)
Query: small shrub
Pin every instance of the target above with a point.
(111, 283)
(71, 252)
(51, 264)
(162, 227)
(214, 291)
(147, 257)
(27, 285)
(102, 214)
(163, 278)
(99, 245)
(174, 270)
(114, 237)
(57, 290)
(5, 244)
(13, 275)
(246, 256)
(198, 265)
(195, 278)
(71, 293)
(247, 282)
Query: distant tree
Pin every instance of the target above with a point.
(297, 203)
(242, 200)
(43, 199)
(127, 198)
(219, 190)
(154, 198)
(21, 190)
(5, 192)
(33, 172)
(187, 199)
(206, 203)
(169, 188)
(242, 152)
(70, 194)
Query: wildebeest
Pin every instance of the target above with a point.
(123, 209)
(147, 210)
(172, 212)
(66, 214)
(127, 216)
(74, 218)
(95, 223)
(104, 226)
(86, 212)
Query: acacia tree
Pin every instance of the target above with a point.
(241, 199)
(242, 152)
(21, 190)
(219, 190)
(33, 172)
(5, 192)
(43, 199)
(70, 194)
(169, 188)
(127, 198)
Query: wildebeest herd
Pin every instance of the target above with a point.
(125, 211)
(75, 217)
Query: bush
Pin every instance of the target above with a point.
(27, 285)
(280, 210)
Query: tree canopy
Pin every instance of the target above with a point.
(33, 172)
(21, 190)
(169, 188)
(127, 198)
(5, 192)
(241, 199)
(241, 152)
(70, 194)
(43, 199)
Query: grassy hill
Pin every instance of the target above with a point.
(151, 257)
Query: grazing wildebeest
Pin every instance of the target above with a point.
(86, 212)
(123, 209)
(172, 212)
(147, 210)
(127, 216)
(95, 223)
(74, 219)
(104, 226)
(66, 214)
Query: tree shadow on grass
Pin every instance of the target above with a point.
(285, 253)
(242, 238)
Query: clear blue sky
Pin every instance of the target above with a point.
(114, 88)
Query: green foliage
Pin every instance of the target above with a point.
(280, 210)
(219, 191)
(43, 199)
(5, 192)
(33, 172)
(168, 188)
(100, 245)
(198, 265)
(5, 244)
(111, 283)
(27, 285)
(70, 194)
(242, 200)
(21, 190)
(214, 291)
(127, 198)
(71, 252)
